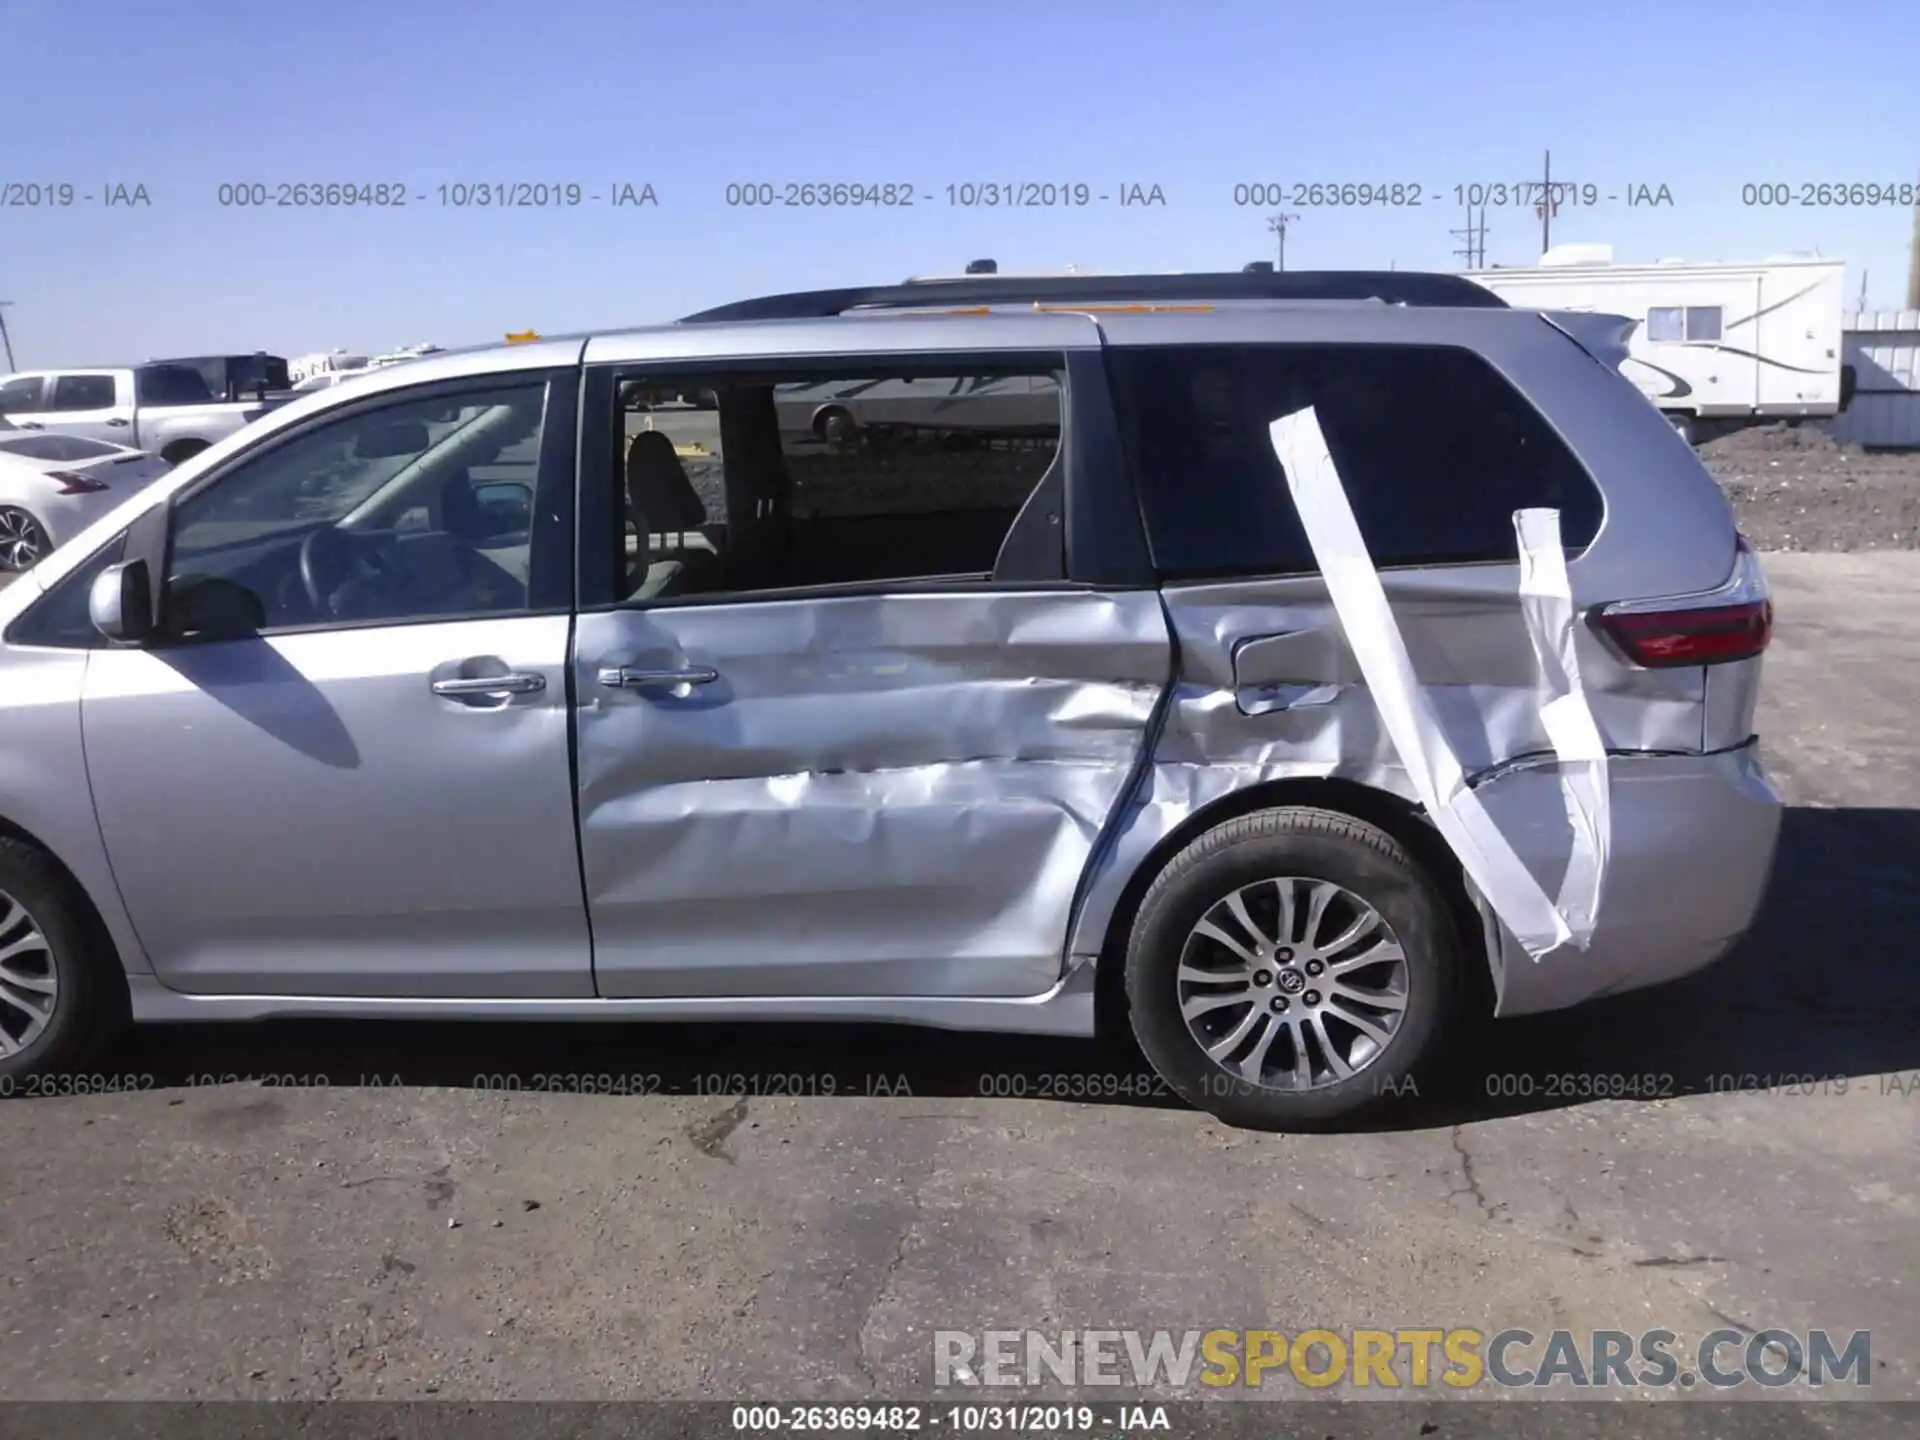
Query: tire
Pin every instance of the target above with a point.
(182, 450)
(24, 541)
(88, 1002)
(1357, 867)
(1682, 426)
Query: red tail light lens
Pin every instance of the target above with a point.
(72, 483)
(1732, 622)
(1658, 639)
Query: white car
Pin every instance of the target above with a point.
(53, 486)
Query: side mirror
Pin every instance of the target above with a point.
(120, 604)
(507, 507)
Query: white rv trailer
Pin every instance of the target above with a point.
(325, 362)
(838, 411)
(1717, 346)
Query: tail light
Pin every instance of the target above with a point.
(74, 483)
(1732, 622)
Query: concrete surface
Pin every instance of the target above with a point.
(407, 1231)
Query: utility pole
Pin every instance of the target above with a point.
(1546, 206)
(5, 339)
(1278, 225)
(1913, 263)
(1474, 237)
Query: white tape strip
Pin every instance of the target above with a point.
(1360, 601)
(1546, 600)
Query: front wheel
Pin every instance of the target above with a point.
(1291, 968)
(61, 996)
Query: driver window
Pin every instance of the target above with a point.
(418, 510)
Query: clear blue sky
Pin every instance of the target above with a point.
(1191, 95)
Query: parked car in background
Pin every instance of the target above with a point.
(449, 694)
(53, 486)
(167, 410)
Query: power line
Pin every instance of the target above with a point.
(5, 339)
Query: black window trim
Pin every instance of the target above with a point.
(1080, 376)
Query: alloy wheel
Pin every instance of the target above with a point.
(1293, 983)
(22, 540)
(29, 978)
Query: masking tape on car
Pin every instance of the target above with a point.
(1546, 600)
(1412, 725)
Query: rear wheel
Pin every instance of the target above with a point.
(1291, 968)
(24, 541)
(181, 450)
(60, 996)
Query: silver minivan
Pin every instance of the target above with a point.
(503, 684)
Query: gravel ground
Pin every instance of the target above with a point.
(1798, 489)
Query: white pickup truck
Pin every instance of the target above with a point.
(165, 409)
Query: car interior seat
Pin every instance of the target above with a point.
(673, 554)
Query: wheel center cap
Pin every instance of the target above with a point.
(1292, 981)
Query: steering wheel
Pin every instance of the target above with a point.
(330, 557)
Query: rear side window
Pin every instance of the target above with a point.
(1435, 448)
(82, 392)
(171, 385)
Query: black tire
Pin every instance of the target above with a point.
(1317, 845)
(89, 1004)
(182, 450)
(1683, 426)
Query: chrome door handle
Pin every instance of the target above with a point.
(625, 677)
(490, 685)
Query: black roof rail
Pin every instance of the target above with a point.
(1393, 287)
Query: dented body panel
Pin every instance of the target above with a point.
(890, 795)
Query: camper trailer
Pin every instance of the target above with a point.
(1717, 346)
(841, 411)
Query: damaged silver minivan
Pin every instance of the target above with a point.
(1291, 663)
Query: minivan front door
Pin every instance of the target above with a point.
(372, 795)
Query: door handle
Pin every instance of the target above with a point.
(516, 684)
(117, 420)
(625, 677)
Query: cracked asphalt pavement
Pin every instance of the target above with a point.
(411, 1228)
